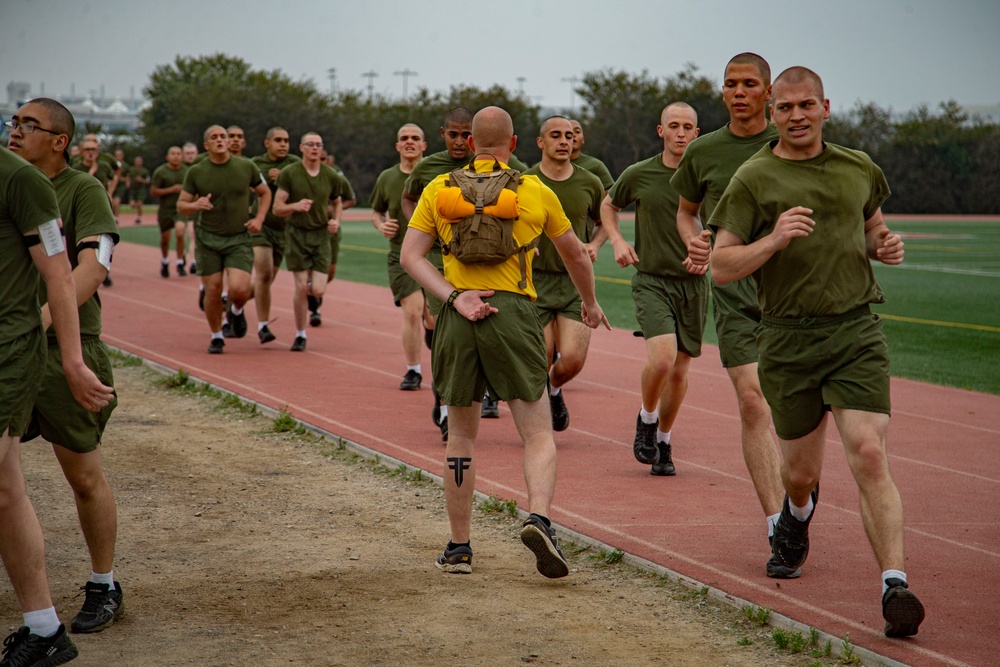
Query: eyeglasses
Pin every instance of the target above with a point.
(313, 144)
(27, 128)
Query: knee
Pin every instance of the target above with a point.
(753, 406)
(802, 477)
(869, 461)
(86, 482)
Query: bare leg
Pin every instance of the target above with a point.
(413, 306)
(263, 277)
(573, 342)
(213, 300)
(759, 450)
(463, 426)
(95, 504)
(534, 425)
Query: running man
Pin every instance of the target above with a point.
(805, 217)
(269, 242)
(309, 194)
(388, 219)
(166, 184)
(701, 178)
(489, 336)
(559, 304)
(189, 154)
(348, 200)
(671, 303)
(589, 162)
(237, 140)
(138, 180)
(32, 245)
(74, 431)
(218, 188)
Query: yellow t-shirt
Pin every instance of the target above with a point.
(541, 212)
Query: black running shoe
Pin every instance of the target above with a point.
(776, 570)
(102, 607)
(411, 381)
(542, 541)
(193, 268)
(164, 270)
(790, 545)
(491, 407)
(444, 428)
(312, 302)
(315, 319)
(107, 281)
(238, 323)
(215, 347)
(902, 611)
(227, 329)
(455, 561)
(664, 465)
(201, 299)
(644, 446)
(265, 335)
(560, 413)
(299, 344)
(180, 269)
(23, 649)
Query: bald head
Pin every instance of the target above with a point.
(210, 129)
(799, 75)
(680, 106)
(492, 128)
(553, 119)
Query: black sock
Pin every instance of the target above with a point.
(545, 520)
(453, 545)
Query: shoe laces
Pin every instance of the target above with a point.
(95, 598)
(12, 645)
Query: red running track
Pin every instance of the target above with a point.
(704, 523)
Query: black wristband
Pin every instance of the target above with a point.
(452, 297)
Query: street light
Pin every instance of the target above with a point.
(406, 74)
(332, 73)
(573, 80)
(370, 74)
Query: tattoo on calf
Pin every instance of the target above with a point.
(459, 464)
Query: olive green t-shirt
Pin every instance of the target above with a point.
(580, 195)
(827, 272)
(86, 211)
(27, 200)
(326, 186)
(229, 184)
(387, 199)
(104, 172)
(657, 242)
(596, 167)
(442, 162)
(710, 161)
(134, 174)
(165, 177)
(266, 164)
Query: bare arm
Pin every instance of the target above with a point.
(581, 272)
(733, 259)
(187, 204)
(882, 244)
(695, 237)
(157, 191)
(90, 392)
(596, 243)
(385, 225)
(408, 203)
(625, 254)
(335, 209)
(87, 276)
(264, 197)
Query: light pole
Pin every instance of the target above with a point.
(406, 74)
(370, 74)
(332, 73)
(573, 80)
(520, 85)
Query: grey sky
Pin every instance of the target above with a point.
(897, 53)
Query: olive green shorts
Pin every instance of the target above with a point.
(737, 317)
(120, 190)
(272, 238)
(22, 367)
(400, 282)
(166, 218)
(307, 249)
(137, 194)
(57, 417)
(557, 295)
(665, 306)
(505, 353)
(335, 244)
(434, 304)
(806, 366)
(214, 252)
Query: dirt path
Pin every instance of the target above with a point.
(241, 546)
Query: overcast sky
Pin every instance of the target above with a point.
(897, 53)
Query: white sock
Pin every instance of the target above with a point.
(225, 295)
(261, 325)
(801, 513)
(201, 288)
(43, 622)
(444, 412)
(180, 262)
(648, 417)
(108, 578)
(892, 574)
(554, 391)
(414, 368)
(771, 520)
(235, 310)
(165, 261)
(217, 334)
(301, 334)
(663, 437)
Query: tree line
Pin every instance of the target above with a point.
(936, 162)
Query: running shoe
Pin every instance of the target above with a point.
(664, 465)
(455, 561)
(23, 649)
(542, 541)
(107, 281)
(491, 407)
(164, 270)
(902, 611)
(315, 319)
(444, 428)
(101, 607)
(790, 544)
(265, 335)
(411, 381)
(238, 324)
(215, 347)
(644, 446)
(560, 413)
(193, 268)
(201, 299)
(180, 269)
(299, 344)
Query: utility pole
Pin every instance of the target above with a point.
(406, 74)
(370, 75)
(572, 80)
(332, 73)
(520, 85)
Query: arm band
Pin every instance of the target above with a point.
(50, 235)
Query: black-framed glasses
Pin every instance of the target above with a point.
(27, 128)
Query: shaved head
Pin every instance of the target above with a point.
(677, 105)
(545, 123)
(271, 131)
(60, 119)
(492, 128)
(748, 58)
(797, 75)
(458, 116)
(209, 130)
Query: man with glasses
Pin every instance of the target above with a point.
(309, 195)
(218, 188)
(31, 244)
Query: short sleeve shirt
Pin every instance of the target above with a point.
(827, 272)
(104, 171)
(387, 199)
(580, 195)
(430, 168)
(596, 167)
(657, 242)
(710, 161)
(165, 177)
(326, 186)
(229, 184)
(266, 164)
(27, 201)
(540, 212)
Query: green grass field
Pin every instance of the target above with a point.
(942, 318)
